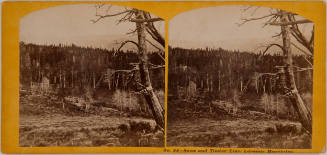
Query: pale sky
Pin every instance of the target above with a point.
(217, 27)
(71, 24)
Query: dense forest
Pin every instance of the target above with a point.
(70, 66)
(219, 71)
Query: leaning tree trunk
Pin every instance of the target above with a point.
(150, 96)
(294, 96)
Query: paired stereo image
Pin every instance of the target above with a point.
(239, 76)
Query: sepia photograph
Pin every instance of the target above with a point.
(240, 76)
(91, 75)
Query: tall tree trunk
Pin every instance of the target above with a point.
(64, 79)
(219, 81)
(277, 105)
(295, 98)
(130, 97)
(201, 83)
(211, 84)
(60, 80)
(109, 78)
(73, 77)
(93, 79)
(269, 104)
(187, 88)
(207, 81)
(241, 84)
(256, 83)
(298, 81)
(39, 77)
(150, 96)
(264, 86)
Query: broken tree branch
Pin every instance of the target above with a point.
(277, 35)
(247, 8)
(312, 36)
(161, 50)
(245, 20)
(153, 31)
(299, 69)
(303, 51)
(108, 15)
(271, 45)
(290, 22)
(304, 57)
(146, 20)
(162, 58)
(124, 43)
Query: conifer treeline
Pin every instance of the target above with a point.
(219, 71)
(77, 66)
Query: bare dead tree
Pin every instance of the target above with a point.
(289, 26)
(298, 35)
(294, 96)
(144, 24)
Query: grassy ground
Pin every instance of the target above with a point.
(43, 122)
(244, 130)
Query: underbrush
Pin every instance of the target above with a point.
(129, 102)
